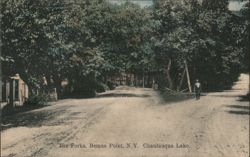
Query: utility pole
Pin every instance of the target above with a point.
(143, 77)
(188, 78)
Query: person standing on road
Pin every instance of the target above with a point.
(44, 84)
(197, 89)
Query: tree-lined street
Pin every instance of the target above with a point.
(216, 125)
(104, 78)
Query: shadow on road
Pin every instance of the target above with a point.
(225, 95)
(32, 119)
(170, 97)
(122, 95)
(245, 97)
(239, 109)
(240, 112)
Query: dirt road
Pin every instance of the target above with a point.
(134, 123)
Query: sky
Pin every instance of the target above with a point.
(142, 3)
(234, 5)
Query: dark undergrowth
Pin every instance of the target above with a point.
(34, 101)
(9, 110)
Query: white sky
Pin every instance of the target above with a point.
(142, 3)
(234, 5)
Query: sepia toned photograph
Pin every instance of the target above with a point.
(124, 78)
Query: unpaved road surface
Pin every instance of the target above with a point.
(134, 123)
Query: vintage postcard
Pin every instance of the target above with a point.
(124, 78)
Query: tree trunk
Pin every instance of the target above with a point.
(58, 86)
(170, 82)
(182, 78)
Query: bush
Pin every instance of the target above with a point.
(111, 85)
(101, 87)
(40, 99)
(83, 93)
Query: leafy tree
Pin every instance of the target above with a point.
(25, 41)
(126, 41)
(87, 41)
(243, 36)
(205, 35)
(39, 38)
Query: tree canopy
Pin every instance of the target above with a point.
(85, 41)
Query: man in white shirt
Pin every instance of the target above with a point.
(197, 89)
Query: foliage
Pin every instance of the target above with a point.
(92, 40)
(126, 40)
(205, 35)
(101, 87)
(40, 99)
(243, 36)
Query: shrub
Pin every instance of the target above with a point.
(83, 93)
(40, 99)
(101, 87)
(111, 85)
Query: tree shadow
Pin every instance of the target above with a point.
(170, 97)
(122, 95)
(225, 95)
(245, 97)
(239, 109)
(8, 109)
(240, 112)
(35, 118)
(241, 97)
